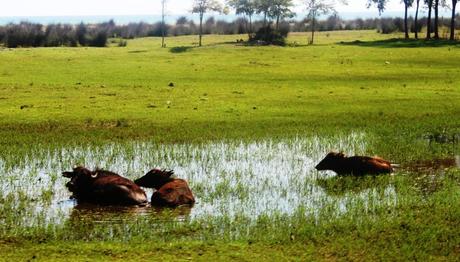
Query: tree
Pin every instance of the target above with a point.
(280, 9)
(437, 3)
(244, 7)
(263, 7)
(429, 3)
(81, 34)
(452, 21)
(315, 8)
(381, 4)
(163, 26)
(407, 4)
(417, 5)
(201, 7)
(436, 19)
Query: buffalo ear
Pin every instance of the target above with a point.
(341, 154)
(167, 173)
(67, 174)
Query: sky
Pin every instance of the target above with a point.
(136, 7)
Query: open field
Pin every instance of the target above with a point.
(245, 125)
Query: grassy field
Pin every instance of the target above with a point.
(226, 91)
(357, 91)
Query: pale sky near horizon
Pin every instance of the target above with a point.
(137, 7)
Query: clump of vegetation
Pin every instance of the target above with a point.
(268, 36)
(27, 34)
(390, 25)
(122, 43)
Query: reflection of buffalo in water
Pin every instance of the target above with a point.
(342, 185)
(103, 187)
(90, 221)
(169, 191)
(115, 213)
(355, 165)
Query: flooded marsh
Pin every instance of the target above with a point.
(237, 185)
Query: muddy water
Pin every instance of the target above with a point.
(427, 166)
(231, 179)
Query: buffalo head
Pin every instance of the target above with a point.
(330, 161)
(155, 178)
(80, 178)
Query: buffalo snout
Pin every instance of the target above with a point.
(70, 185)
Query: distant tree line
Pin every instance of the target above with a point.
(432, 21)
(27, 34)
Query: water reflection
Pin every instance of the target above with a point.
(120, 214)
(342, 185)
(429, 166)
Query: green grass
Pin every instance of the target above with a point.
(398, 93)
(226, 91)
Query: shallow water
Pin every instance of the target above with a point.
(427, 166)
(228, 179)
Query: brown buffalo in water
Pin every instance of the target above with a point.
(103, 187)
(169, 191)
(354, 165)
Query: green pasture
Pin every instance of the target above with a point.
(224, 90)
(404, 96)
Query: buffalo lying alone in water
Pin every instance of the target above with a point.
(354, 165)
(169, 191)
(103, 187)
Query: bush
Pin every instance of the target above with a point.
(156, 29)
(36, 35)
(122, 43)
(387, 26)
(267, 35)
(24, 35)
(99, 39)
(81, 34)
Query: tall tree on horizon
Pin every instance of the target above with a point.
(452, 20)
(429, 4)
(245, 7)
(316, 8)
(280, 9)
(263, 7)
(407, 4)
(436, 19)
(201, 7)
(163, 26)
(417, 5)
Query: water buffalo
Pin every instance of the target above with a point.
(169, 191)
(354, 165)
(103, 187)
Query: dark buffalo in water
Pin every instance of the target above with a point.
(170, 191)
(354, 165)
(103, 187)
